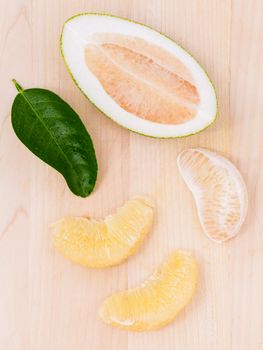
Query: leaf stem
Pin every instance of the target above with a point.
(18, 87)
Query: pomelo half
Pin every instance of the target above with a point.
(137, 76)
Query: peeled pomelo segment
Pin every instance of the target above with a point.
(107, 242)
(218, 189)
(134, 94)
(158, 300)
(137, 76)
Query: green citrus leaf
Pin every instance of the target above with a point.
(53, 131)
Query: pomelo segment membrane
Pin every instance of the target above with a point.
(141, 83)
(137, 76)
(219, 191)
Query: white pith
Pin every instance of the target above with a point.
(77, 33)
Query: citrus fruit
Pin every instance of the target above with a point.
(156, 301)
(219, 191)
(138, 77)
(107, 242)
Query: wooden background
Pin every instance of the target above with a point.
(47, 303)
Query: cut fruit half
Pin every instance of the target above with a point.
(138, 77)
(219, 191)
(158, 300)
(105, 243)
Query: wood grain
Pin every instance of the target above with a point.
(47, 302)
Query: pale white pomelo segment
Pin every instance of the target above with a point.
(80, 31)
(219, 191)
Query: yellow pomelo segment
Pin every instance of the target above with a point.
(143, 78)
(158, 300)
(105, 243)
(219, 191)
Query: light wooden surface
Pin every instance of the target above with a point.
(47, 303)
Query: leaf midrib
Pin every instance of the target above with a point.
(51, 135)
